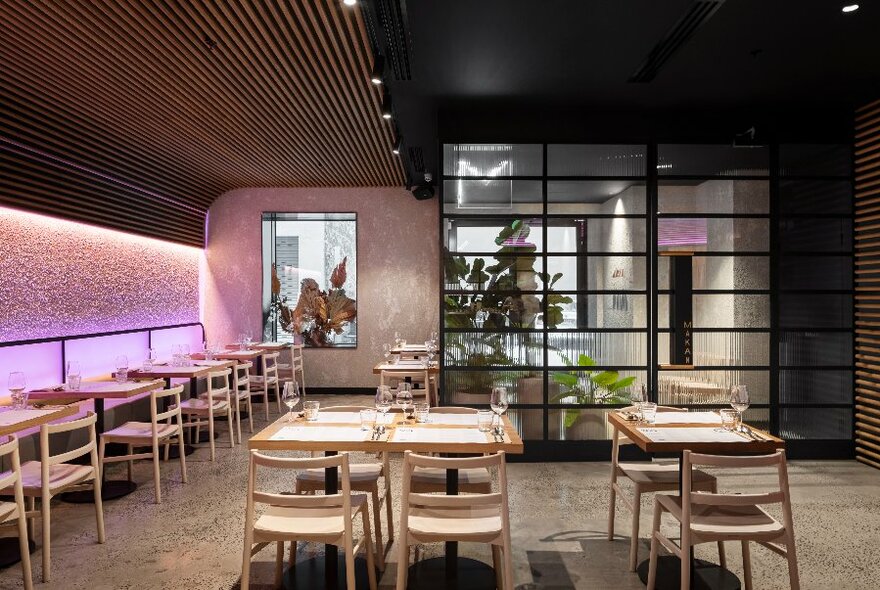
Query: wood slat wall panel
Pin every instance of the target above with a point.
(867, 284)
(122, 114)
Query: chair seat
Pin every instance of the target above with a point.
(8, 510)
(139, 431)
(435, 475)
(731, 522)
(60, 476)
(661, 475)
(358, 472)
(200, 406)
(286, 521)
(455, 523)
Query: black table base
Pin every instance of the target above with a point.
(10, 554)
(705, 575)
(110, 490)
(433, 574)
(310, 574)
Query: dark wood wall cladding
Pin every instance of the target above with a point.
(138, 114)
(867, 252)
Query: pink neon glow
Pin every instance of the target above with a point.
(97, 356)
(164, 340)
(682, 232)
(41, 364)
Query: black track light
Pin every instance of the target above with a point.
(378, 70)
(386, 107)
(398, 145)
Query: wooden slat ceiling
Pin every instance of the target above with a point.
(867, 251)
(138, 114)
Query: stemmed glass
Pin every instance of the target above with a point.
(383, 403)
(498, 403)
(429, 347)
(290, 397)
(638, 396)
(121, 368)
(386, 351)
(404, 396)
(16, 385)
(739, 401)
(396, 338)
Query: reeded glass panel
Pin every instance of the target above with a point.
(598, 273)
(815, 387)
(815, 196)
(815, 159)
(613, 310)
(505, 235)
(595, 160)
(529, 423)
(499, 311)
(464, 387)
(712, 160)
(815, 272)
(493, 197)
(714, 196)
(723, 310)
(711, 387)
(713, 235)
(815, 348)
(722, 272)
(821, 424)
(815, 311)
(489, 273)
(712, 349)
(579, 425)
(620, 197)
(815, 235)
(604, 348)
(483, 159)
(494, 349)
(593, 386)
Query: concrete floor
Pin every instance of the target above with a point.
(558, 514)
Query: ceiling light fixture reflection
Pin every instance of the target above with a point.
(378, 70)
(850, 8)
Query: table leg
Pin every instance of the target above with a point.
(451, 546)
(331, 552)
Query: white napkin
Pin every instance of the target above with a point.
(322, 434)
(687, 418)
(692, 435)
(439, 435)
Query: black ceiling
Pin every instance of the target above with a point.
(771, 55)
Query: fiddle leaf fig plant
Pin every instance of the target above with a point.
(588, 387)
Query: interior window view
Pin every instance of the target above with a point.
(397, 294)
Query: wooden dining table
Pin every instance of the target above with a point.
(699, 437)
(333, 434)
(432, 369)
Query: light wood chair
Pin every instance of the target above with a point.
(201, 411)
(295, 369)
(14, 512)
(645, 478)
(320, 519)
(52, 475)
(474, 518)
(268, 380)
(242, 395)
(427, 480)
(364, 478)
(420, 377)
(712, 517)
(158, 431)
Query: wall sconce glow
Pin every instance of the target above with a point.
(850, 8)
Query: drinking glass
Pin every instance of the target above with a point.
(433, 336)
(484, 420)
(649, 412)
(404, 396)
(498, 403)
(311, 409)
(396, 338)
(421, 411)
(74, 375)
(185, 358)
(386, 351)
(429, 348)
(384, 400)
(16, 385)
(728, 419)
(739, 401)
(368, 419)
(121, 368)
(248, 338)
(638, 396)
(290, 397)
(242, 341)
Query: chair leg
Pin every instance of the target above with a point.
(246, 559)
(31, 505)
(99, 509)
(266, 400)
(46, 515)
(181, 450)
(791, 557)
(722, 556)
(349, 564)
(498, 567)
(230, 417)
(747, 565)
(507, 558)
(371, 563)
(23, 548)
(210, 435)
(279, 563)
(612, 504)
(130, 450)
(156, 482)
(250, 408)
(101, 448)
(402, 562)
(685, 560)
(293, 549)
(634, 541)
(377, 522)
(652, 564)
(238, 417)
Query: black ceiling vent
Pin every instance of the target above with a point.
(694, 17)
(393, 19)
(417, 160)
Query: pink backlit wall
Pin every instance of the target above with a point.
(61, 278)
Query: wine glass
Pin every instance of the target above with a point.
(386, 351)
(396, 338)
(404, 396)
(16, 385)
(638, 396)
(248, 338)
(121, 368)
(383, 402)
(429, 347)
(739, 401)
(290, 397)
(498, 403)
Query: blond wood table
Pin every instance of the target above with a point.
(470, 572)
(434, 369)
(269, 346)
(704, 575)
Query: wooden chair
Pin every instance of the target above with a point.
(427, 480)
(645, 478)
(712, 517)
(475, 518)
(242, 394)
(150, 434)
(320, 519)
(268, 380)
(422, 377)
(295, 370)
(52, 475)
(15, 511)
(200, 411)
(364, 478)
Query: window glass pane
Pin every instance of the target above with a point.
(623, 310)
(528, 423)
(496, 311)
(504, 234)
(732, 349)
(722, 311)
(719, 235)
(580, 386)
(815, 311)
(484, 349)
(815, 272)
(815, 159)
(815, 235)
(711, 160)
(722, 272)
(598, 273)
(714, 196)
(493, 197)
(472, 388)
(491, 274)
(815, 348)
(621, 197)
(818, 423)
(608, 349)
(616, 235)
(579, 425)
(595, 160)
(711, 387)
(472, 159)
(815, 196)
(815, 387)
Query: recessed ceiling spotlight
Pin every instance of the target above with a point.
(850, 8)
(349, 2)
(397, 144)
(378, 70)
(386, 107)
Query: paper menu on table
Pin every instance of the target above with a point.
(439, 435)
(453, 419)
(322, 434)
(691, 435)
(687, 418)
(338, 418)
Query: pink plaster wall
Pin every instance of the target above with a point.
(398, 253)
(59, 278)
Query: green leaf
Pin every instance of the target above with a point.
(605, 378)
(567, 379)
(623, 383)
(571, 417)
(585, 361)
(555, 278)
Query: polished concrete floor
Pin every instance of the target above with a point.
(558, 515)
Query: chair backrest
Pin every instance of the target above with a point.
(453, 410)
(10, 447)
(492, 502)
(47, 459)
(156, 399)
(270, 365)
(242, 375)
(297, 364)
(223, 389)
(419, 376)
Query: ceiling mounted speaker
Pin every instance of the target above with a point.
(424, 191)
